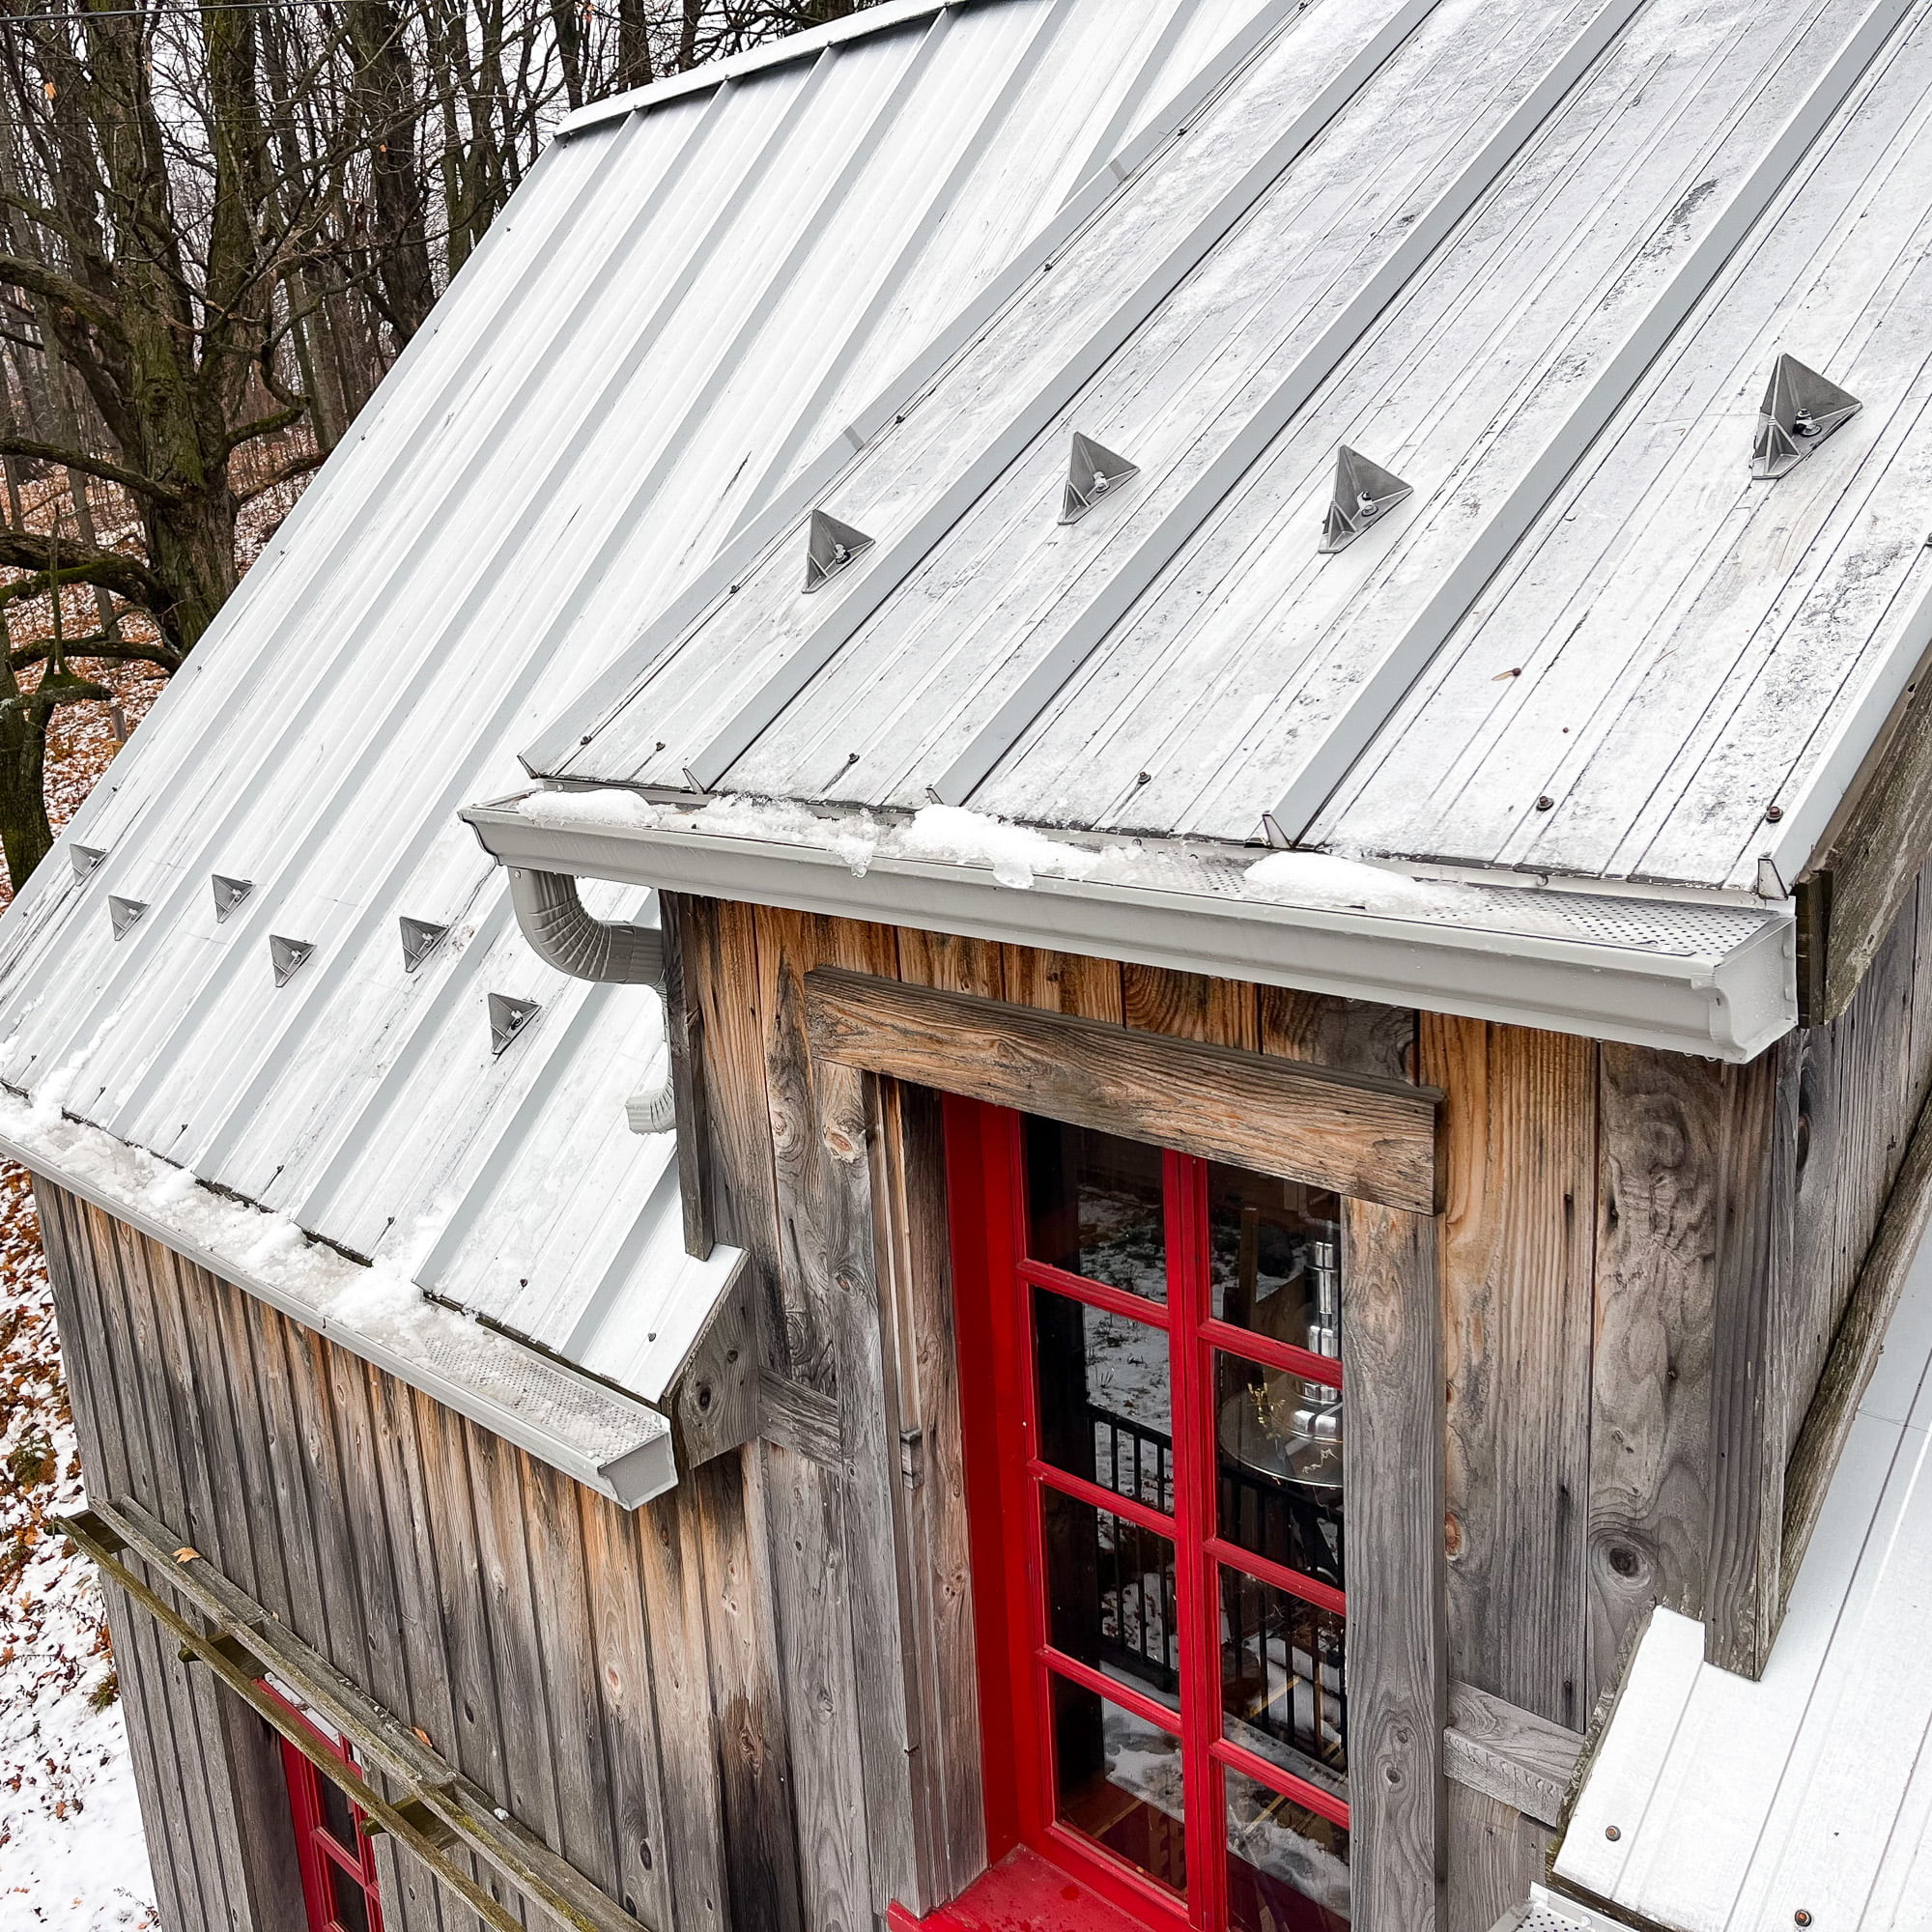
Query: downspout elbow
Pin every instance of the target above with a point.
(564, 935)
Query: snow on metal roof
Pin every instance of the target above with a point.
(681, 308)
(1805, 1798)
(1535, 257)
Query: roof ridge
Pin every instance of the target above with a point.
(786, 48)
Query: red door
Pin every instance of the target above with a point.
(1149, 1352)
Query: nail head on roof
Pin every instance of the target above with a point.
(1611, 1832)
(1545, 803)
(1772, 813)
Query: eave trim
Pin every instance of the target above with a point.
(1728, 1005)
(639, 1462)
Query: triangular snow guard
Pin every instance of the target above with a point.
(828, 546)
(1364, 491)
(229, 893)
(125, 913)
(508, 1018)
(419, 939)
(1801, 409)
(286, 956)
(1092, 473)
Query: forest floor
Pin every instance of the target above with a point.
(72, 1852)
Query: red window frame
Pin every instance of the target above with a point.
(994, 1281)
(318, 1853)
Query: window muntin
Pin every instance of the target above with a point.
(1185, 1620)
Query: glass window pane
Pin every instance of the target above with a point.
(1094, 1206)
(1275, 1258)
(1106, 1403)
(1288, 1869)
(1282, 1692)
(1117, 1779)
(348, 1902)
(339, 1818)
(1111, 1596)
(1278, 1441)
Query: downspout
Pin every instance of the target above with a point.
(563, 934)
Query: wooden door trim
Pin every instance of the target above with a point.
(1372, 1138)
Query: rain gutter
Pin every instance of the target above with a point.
(1722, 984)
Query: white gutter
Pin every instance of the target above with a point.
(606, 1440)
(1715, 980)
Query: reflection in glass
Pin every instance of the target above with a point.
(1111, 1596)
(1275, 1258)
(1288, 1869)
(1106, 1403)
(348, 1901)
(1283, 1693)
(1278, 1441)
(1094, 1206)
(1117, 1777)
(338, 1817)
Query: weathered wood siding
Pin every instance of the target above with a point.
(551, 1644)
(752, 1705)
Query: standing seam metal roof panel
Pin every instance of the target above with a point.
(1647, 215)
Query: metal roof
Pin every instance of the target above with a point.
(1537, 258)
(683, 306)
(1719, 1805)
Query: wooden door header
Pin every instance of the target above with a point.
(1371, 1138)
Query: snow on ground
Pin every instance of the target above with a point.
(72, 1852)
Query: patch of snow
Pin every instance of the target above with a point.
(72, 1850)
(606, 811)
(1323, 881)
(1017, 854)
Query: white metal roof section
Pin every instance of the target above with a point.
(1536, 259)
(1690, 978)
(672, 316)
(1805, 1798)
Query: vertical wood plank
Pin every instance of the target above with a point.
(1751, 1359)
(561, 1626)
(722, 1505)
(621, 1634)
(1356, 1035)
(1662, 1118)
(915, 1299)
(1397, 1669)
(1066, 983)
(673, 1584)
(1518, 1147)
(719, 951)
(530, 1784)
(952, 963)
(820, 1133)
(1495, 1855)
(1190, 1005)
(684, 1035)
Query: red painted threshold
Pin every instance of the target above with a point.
(1021, 1893)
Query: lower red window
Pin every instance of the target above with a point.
(336, 1858)
(1151, 1365)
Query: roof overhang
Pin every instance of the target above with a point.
(1727, 995)
(603, 1438)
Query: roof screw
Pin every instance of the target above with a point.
(1800, 1917)
(1545, 803)
(1143, 778)
(1772, 813)
(1611, 1832)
